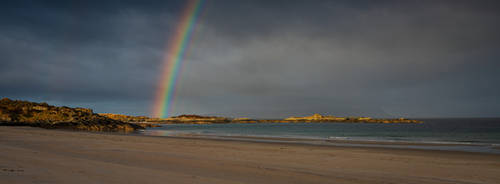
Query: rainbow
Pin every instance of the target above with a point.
(175, 54)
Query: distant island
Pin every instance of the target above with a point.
(197, 119)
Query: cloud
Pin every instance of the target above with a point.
(259, 58)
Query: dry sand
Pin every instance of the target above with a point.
(33, 155)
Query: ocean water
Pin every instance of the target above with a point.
(474, 134)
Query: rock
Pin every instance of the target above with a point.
(197, 119)
(315, 117)
(125, 118)
(320, 118)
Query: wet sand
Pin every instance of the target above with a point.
(34, 155)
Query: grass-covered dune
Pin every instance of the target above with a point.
(25, 113)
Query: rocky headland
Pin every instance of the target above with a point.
(25, 113)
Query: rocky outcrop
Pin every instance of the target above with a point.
(195, 119)
(125, 118)
(316, 117)
(142, 121)
(320, 118)
(24, 113)
(243, 120)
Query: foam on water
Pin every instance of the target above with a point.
(481, 135)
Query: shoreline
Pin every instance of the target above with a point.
(281, 140)
(35, 155)
(440, 146)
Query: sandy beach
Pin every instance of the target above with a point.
(34, 155)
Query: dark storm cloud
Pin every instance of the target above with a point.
(72, 53)
(260, 58)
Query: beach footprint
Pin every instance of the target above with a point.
(11, 170)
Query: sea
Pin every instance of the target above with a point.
(460, 134)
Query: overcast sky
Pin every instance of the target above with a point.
(267, 59)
